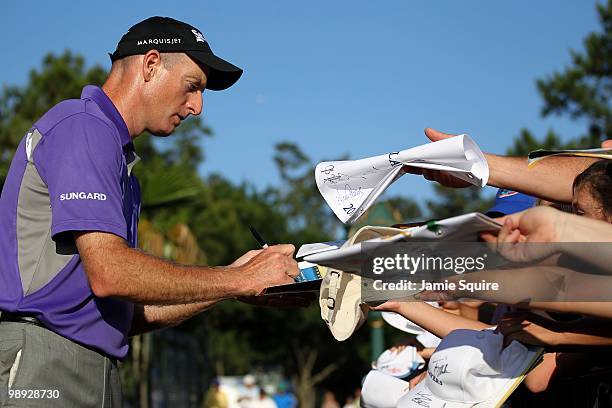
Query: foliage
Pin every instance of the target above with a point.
(450, 202)
(583, 89)
(60, 77)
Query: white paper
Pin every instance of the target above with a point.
(350, 187)
(464, 228)
(314, 248)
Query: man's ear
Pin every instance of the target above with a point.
(151, 64)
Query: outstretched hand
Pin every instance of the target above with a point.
(529, 235)
(529, 328)
(441, 177)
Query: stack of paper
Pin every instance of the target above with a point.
(463, 228)
(350, 187)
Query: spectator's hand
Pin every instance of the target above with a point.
(398, 348)
(529, 328)
(435, 175)
(388, 306)
(530, 235)
(427, 352)
(272, 266)
(414, 381)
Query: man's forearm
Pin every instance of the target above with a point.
(116, 270)
(135, 276)
(551, 178)
(153, 317)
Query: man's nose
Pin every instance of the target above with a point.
(195, 103)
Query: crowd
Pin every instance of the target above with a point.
(554, 216)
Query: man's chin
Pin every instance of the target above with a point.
(163, 132)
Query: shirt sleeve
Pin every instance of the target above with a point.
(81, 161)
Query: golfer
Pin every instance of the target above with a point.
(73, 286)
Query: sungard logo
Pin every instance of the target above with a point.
(157, 41)
(82, 196)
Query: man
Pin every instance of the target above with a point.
(215, 397)
(74, 286)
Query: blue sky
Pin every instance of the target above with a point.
(336, 77)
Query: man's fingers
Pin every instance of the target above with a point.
(246, 257)
(435, 135)
(607, 144)
(285, 249)
(292, 268)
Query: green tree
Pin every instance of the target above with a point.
(60, 77)
(583, 89)
(298, 196)
(450, 202)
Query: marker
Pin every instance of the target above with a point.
(258, 237)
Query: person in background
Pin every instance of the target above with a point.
(283, 397)
(263, 400)
(249, 393)
(215, 397)
(329, 400)
(593, 191)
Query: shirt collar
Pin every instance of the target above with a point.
(97, 95)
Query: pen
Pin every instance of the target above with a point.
(258, 237)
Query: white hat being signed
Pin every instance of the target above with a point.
(471, 369)
(380, 390)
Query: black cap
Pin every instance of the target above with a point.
(169, 35)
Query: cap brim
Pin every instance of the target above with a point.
(380, 390)
(508, 208)
(401, 323)
(348, 312)
(222, 74)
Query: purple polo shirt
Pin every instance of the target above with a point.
(71, 172)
